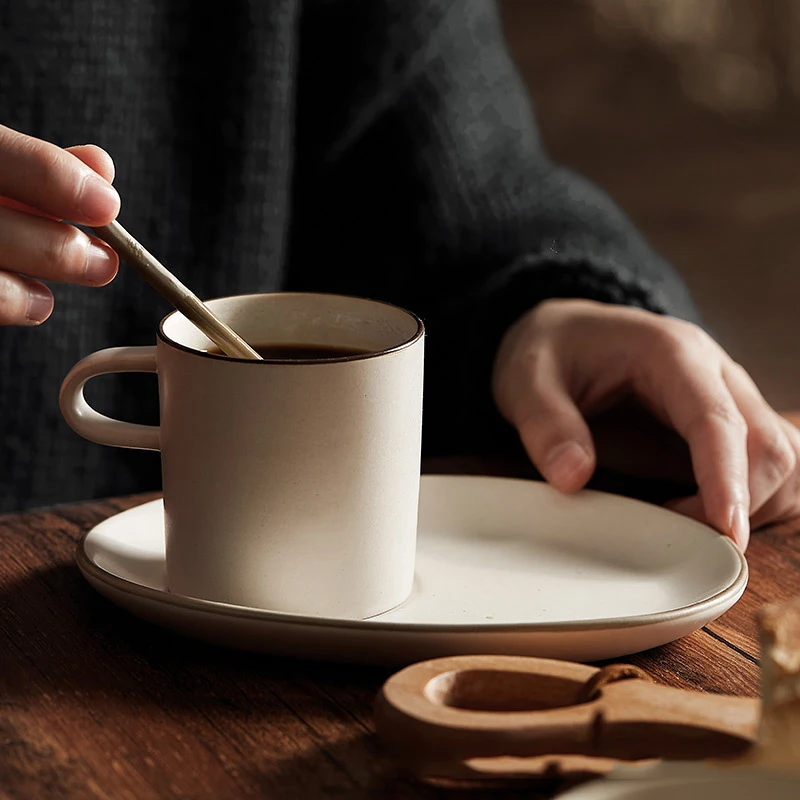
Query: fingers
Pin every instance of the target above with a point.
(40, 184)
(694, 508)
(46, 177)
(782, 505)
(785, 503)
(745, 460)
(55, 251)
(552, 429)
(773, 447)
(688, 386)
(771, 456)
(23, 301)
(567, 357)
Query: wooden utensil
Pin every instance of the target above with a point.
(778, 745)
(770, 768)
(511, 717)
(174, 292)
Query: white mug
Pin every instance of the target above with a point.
(289, 485)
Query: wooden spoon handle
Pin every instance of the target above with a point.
(174, 292)
(635, 719)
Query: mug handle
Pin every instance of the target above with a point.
(93, 425)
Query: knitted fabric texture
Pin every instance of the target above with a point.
(382, 148)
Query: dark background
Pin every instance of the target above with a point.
(688, 113)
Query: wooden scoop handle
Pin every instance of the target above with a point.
(635, 719)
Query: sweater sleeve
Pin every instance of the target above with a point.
(421, 179)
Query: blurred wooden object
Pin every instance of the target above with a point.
(779, 734)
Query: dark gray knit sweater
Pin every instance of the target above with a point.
(383, 148)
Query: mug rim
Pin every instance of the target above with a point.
(418, 334)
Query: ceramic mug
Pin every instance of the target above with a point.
(289, 485)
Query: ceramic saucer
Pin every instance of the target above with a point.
(689, 781)
(504, 566)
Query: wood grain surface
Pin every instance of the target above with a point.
(95, 703)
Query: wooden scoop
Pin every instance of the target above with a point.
(510, 718)
(513, 717)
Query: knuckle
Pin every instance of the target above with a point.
(668, 339)
(739, 369)
(41, 159)
(678, 337)
(527, 386)
(46, 167)
(530, 360)
(744, 378)
(776, 454)
(65, 253)
(721, 414)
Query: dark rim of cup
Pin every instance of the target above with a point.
(420, 332)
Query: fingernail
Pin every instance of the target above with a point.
(99, 200)
(565, 464)
(40, 305)
(101, 265)
(740, 526)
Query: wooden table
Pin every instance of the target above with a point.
(94, 703)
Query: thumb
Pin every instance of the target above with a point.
(554, 432)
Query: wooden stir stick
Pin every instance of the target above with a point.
(174, 292)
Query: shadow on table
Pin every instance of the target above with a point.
(76, 639)
(289, 729)
(376, 779)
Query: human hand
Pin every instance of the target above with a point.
(40, 185)
(568, 360)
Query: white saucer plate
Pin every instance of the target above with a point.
(690, 781)
(503, 566)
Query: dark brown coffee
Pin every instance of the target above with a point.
(298, 351)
